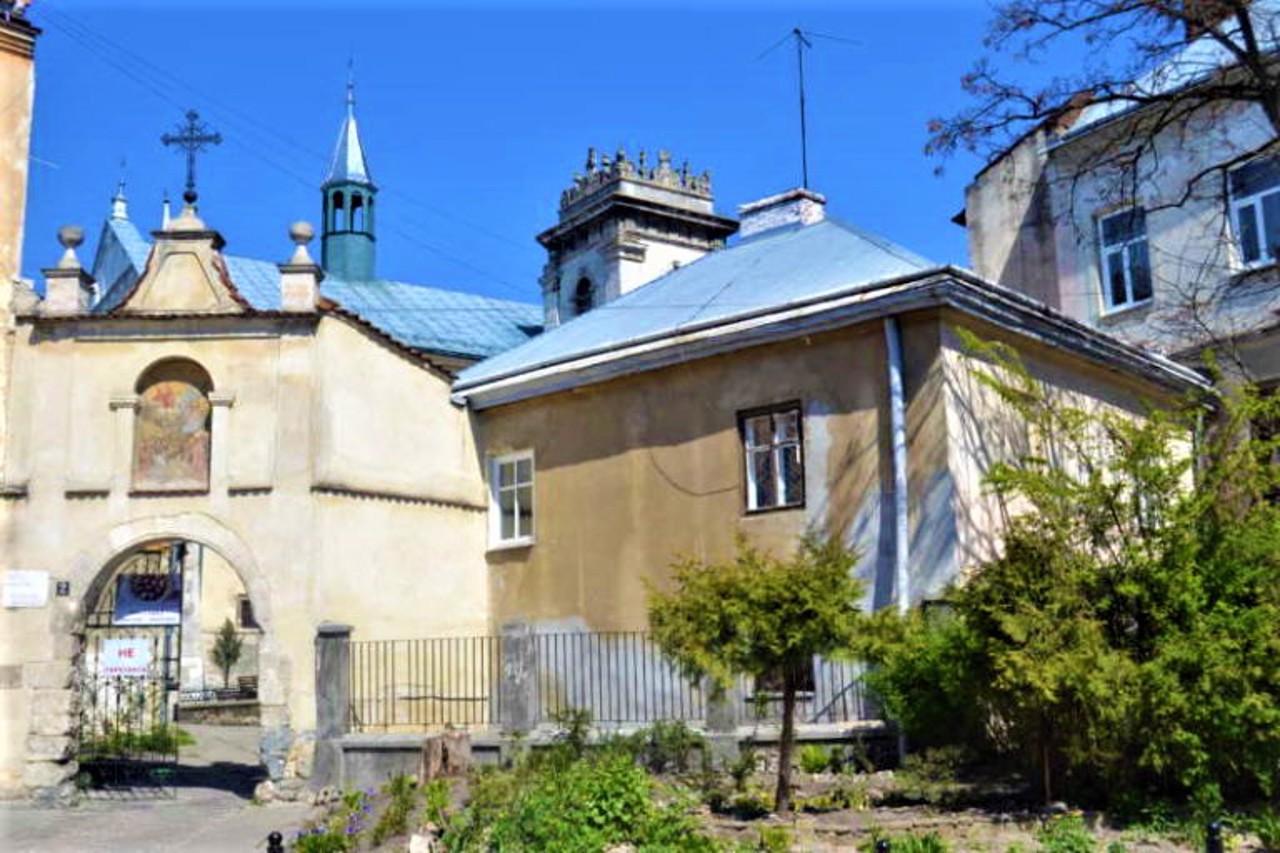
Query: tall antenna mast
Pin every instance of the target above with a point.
(801, 44)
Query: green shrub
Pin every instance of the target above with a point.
(814, 758)
(436, 796)
(930, 843)
(575, 806)
(667, 747)
(573, 729)
(931, 776)
(742, 768)
(774, 839)
(402, 797)
(1066, 834)
(1266, 825)
(341, 829)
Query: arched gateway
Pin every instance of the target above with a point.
(173, 632)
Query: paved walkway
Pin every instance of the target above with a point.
(208, 811)
(189, 823)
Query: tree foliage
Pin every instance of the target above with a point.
(227, 648)
(1122, 41)
(1126, 639)
(760, 615)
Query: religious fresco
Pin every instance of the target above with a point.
(171, 438)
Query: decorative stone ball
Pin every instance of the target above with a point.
(70, 236)
(301, 233)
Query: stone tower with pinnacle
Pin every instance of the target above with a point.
(624, 223)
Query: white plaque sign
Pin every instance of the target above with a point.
(125, 656)
(26, 589)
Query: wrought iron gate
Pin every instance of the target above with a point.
(128, 742)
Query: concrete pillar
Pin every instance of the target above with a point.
(192, 640)
(220, 442)
(333, 699)
(724, 713)
(519, 687)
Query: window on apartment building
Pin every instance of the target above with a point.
(511, 491)
(1255, 210)
(1126, 265)
(772, 448)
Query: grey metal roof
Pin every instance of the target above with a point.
(446, 322)
(768, 271)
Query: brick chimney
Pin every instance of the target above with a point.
(793, 207)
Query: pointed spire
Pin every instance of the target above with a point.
(349, 164)
(119, 204)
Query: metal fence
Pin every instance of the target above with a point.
(418, 684)
(619, 677)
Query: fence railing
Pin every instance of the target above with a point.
(619, 677)
(415, 684)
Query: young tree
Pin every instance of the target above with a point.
(762, 616)
(227, 649)
(1125, 640)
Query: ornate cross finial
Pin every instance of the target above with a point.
(192, 137)
(351, 84)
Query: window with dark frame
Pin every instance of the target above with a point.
(1254, 190)
(773, 455)
(1124, 257)
(244, 612)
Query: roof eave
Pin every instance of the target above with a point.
(938, 287)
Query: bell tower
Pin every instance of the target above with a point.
(347, 237)
(622, 224)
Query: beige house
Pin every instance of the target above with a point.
(188, 433)
(808, 377)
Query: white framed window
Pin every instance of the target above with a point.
(772, 447)
(1254, 190)
(1124, 262)
(511, 499)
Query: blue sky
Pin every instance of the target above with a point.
(474, 120)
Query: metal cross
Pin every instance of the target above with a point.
(192, 137)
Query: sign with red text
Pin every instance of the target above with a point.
(127, 656)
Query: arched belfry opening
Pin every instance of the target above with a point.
(169, 673)
(584, 296)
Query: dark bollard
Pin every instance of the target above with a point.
(275, 843)
(882, 846)
(1213, 837)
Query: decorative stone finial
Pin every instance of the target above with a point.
(301, 233)
(71, 237)
(603, 169)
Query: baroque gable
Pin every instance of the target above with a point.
(186, 274)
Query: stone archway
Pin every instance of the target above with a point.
(89, 573)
